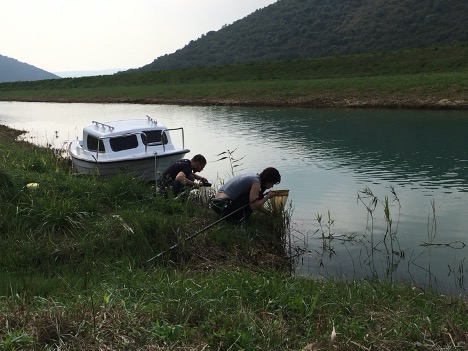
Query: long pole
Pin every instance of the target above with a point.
(200, 231)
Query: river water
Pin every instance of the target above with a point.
(417, 160)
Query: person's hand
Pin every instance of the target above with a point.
(270, 194)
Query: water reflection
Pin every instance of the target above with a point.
(403, 146)
(326, 158)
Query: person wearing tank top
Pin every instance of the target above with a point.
(244, 193)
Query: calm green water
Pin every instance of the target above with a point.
(326, 158)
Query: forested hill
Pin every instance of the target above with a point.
(290, 29)
(12, 70)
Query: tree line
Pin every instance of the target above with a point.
(293, 29)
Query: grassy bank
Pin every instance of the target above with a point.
(74, 274)
(419, 78)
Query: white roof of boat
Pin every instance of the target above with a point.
(123, 126)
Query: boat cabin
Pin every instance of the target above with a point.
(126, 135)
(141, 146)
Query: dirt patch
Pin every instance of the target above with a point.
(8, 133)
(311, 102)
(316, 101)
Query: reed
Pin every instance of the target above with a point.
(234, 162)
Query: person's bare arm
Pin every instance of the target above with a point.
(184, 180)
(255, 202)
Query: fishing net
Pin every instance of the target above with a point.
(279, 201)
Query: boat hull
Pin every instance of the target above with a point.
(144, 168)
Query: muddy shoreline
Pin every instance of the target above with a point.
(311, 102)
(444, 104)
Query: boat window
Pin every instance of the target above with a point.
(92, 143)
(124, 142)
(154, 136)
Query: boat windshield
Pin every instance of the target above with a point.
(124, 142)
(92, 144)
(154, 136)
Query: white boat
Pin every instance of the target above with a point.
(141, 146)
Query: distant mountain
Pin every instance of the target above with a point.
(12, 70)
(76, 74)
(291, 29)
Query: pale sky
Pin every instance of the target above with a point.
(84, 35)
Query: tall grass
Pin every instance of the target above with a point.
(233, 309)
(391, 90)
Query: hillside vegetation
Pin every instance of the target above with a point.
(293, 29)
(297, 29)
(435, 77)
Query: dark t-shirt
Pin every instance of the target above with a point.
(170, 174)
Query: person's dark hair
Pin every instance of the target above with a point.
(199, 158)
(270, 175)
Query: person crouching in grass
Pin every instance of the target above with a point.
(244, 193)
(180, 176)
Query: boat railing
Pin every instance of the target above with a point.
(172, 129)
(151, 119)
(103, 125)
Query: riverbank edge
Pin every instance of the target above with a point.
(316, 102)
